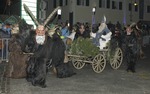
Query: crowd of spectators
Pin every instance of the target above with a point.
(81, 29)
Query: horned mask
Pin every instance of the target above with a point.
(41, 27)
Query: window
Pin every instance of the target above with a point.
(108, 3)
(141, 9)
(136, 8)
(60, 2)
(148, 9)
(63, 2)
(130, 6)
(83, 2)
(87, 2)
(100, 3)
(78, 2)
(103, 3)
(113, 5)
(32, 5)
(54, 3)
(120, 5)
(66, 2)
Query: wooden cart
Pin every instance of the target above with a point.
(112, 56)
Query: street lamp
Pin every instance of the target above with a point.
(132, 4)
(94, 10)
(135, 4)
(93, 17)
(59, 14)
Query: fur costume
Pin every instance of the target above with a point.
(47, 48)
(16, 67)
(132, 49)
(36, 71)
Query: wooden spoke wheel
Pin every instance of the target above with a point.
(78, 62)
(70, 58)
(116, 59)
(99, 63)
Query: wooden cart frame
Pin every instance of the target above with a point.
(113, 56)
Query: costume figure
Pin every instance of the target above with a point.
(102, 36)
(49, 50)
(131, 49)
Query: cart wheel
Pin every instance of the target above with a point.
(69, 58)
(116, 59)
(77, 63)
(99, 63)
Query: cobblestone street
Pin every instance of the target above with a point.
(88, 82)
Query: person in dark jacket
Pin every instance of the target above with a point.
(5, 32)
(81, 32)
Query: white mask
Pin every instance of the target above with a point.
(40, 39)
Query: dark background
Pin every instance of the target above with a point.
(2, 6)
(13, 9)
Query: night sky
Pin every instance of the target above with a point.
(2, 6)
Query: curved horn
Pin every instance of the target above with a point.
(104, 19)
(50, 16)
(30, 14)
(132, 24)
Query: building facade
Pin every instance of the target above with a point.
(74, 11)
(123, 11)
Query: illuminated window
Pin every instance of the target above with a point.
(32, 5)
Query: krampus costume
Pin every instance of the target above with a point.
(132, 47)
(48, 49)
(16, 66)
(17, 60)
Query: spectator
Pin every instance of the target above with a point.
(5, 31)
(118, 25)
(81, 32)
(65, 32)
(111, 27)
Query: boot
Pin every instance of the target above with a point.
(128, 67)
(133, 67)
